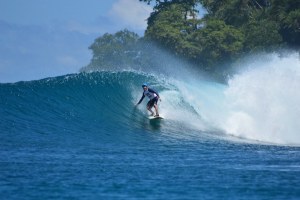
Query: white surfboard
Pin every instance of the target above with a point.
(155, 118)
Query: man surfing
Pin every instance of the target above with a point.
(153, 96)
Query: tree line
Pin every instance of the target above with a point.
(229, 30)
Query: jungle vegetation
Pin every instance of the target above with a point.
(228, 30)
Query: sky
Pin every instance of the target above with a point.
(46, 38)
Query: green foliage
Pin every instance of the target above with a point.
(169, 28)
(126, 49)
(218, 41)
(287, 14)
(281, 18)
(261, 35)
(114, 50)
(205, 42)
(229, 30)
(227, 11)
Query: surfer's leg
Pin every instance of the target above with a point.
(156, 109)
(149, 108)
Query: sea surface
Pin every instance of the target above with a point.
(81, 136)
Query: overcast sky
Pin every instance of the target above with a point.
(42, 38)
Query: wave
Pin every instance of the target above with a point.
(260, 103)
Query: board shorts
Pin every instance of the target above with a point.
(151, 103)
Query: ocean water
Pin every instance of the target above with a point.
(80, 136)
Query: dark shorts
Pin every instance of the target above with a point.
(152, 102)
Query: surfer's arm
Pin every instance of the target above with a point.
(141, 99)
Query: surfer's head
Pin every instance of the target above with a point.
(145, 86)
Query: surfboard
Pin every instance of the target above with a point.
(155, 118)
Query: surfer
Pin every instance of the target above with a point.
(153, 96)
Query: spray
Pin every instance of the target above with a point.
(263, 102)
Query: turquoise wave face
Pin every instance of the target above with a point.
(74, 101)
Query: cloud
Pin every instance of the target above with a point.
(131, 13)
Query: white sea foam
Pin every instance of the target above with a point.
(260, 103)
(263, 102)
